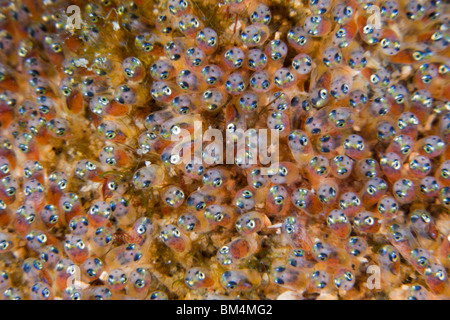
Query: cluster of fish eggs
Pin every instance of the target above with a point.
(95, 202)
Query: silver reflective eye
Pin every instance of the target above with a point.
(80, 245)
(290, 229)
(371, 190)
(224, 250)
(369, 221)
(141, 229)
(440, 275)
(231, 127)
(251, 224)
